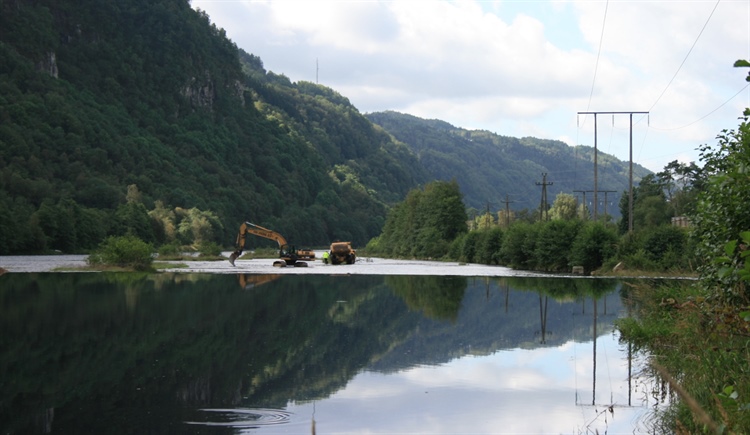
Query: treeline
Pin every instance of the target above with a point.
(429, 225)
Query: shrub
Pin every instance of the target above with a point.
(488, 246)
(469, 247)
(169, 250)
(209, 249)
(663, 239)
(554, 244)
(594, 244)
(123, 251)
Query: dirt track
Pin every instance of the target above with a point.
(363, 266)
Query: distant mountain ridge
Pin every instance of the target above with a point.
(489, 166)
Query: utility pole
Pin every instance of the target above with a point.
(488, 220)
(630, 190)
(605, 198)
(507, 211)
(543, 207)
(583, 209)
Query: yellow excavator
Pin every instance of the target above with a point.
(288, 255)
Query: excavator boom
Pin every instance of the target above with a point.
(287, 253)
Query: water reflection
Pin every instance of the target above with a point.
(189, 353)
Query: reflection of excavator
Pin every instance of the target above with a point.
(287, 253)
(248, 281)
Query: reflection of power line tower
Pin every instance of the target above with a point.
(611, 405)
(543, 318)
(543, 215)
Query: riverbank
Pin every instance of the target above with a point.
(700, 349)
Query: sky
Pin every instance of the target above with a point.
(520, 68)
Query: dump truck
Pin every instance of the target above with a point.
(342, 253)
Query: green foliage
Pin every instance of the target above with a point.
(425, 224)
(565, 207)
(662, 243)
(595, 243)
(488, 246)
(518, 247)
(209, 249)
(468, 250)
(555, 245)
(722, 215)
(124, 251)
(99, 96)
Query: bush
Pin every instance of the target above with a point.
(169, 250)
(124, 251)
(594, 244)
(488, 246)
(554, 244)
(209, 249)
(663, 239)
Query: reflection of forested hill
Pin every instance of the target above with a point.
(132, 353)
(497, 314)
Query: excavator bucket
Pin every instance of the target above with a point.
(233, 257)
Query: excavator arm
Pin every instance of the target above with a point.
(251, 228)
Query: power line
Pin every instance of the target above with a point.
(598, 54)
(706, 115)
(686, 56)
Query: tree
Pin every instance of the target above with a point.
(564, 207)
(425, 223)
(681, 183)
(595, 243)
(721, 215)
(553, 249)
(650, 206)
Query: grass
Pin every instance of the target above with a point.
(700, 349)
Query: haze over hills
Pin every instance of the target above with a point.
(99, 96)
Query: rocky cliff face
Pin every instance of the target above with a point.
(48, 64)
(201, 92)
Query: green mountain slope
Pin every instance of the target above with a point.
(97, 96)
(489, 166)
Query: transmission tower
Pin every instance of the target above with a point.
(630, 191)
(543, 215)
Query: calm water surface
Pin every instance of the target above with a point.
(220, 354)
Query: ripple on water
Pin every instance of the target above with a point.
(242, 417)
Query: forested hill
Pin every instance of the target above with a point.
(119, 114)
(491, 168)
(141, 117)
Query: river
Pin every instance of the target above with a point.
(380, 346)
